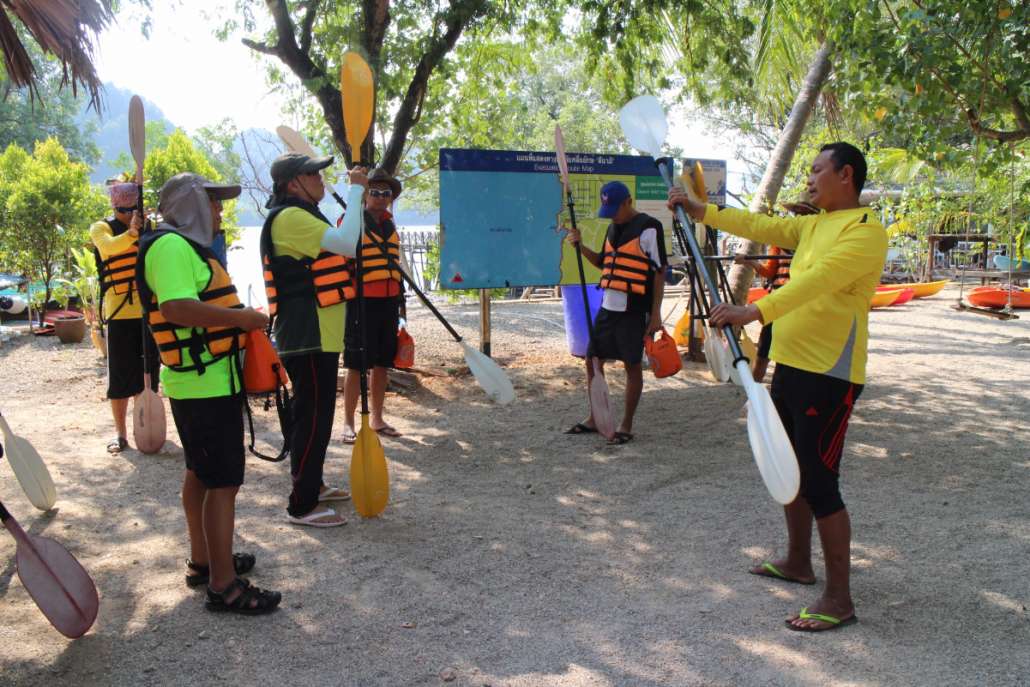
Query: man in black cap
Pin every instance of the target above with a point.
(308, 281)
(384, 295)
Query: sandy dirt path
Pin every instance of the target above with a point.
(513, 555)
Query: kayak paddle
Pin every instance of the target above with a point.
(600, 402)
(29, 469)
(148, 412)
(488, 374)
(644, 125)
(58, 583)
(369, 479)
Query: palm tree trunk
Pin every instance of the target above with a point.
(765, 196)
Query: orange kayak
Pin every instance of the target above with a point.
(755, 293)
(995, 297)
(881, 299)
(906, 293)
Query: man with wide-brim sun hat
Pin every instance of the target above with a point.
(308, 281)
(382, 289)
(200, 327)
(115, 250)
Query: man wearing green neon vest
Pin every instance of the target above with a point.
(822, 334)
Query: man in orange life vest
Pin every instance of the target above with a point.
(384, 297)
(776, 273)
(632, 265)
(115, 249)
(200, 326)
(308, 281)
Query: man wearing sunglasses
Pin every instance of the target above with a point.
(308, 281)
(383, 293)
(115, 249)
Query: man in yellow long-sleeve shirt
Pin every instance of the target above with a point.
(820, 347)
(115, 240)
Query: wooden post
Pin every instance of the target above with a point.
(932, 243)
(484, 321)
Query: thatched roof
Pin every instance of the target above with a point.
(65, 28)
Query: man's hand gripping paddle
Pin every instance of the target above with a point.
(600, 403)
(644, 125)
(29, 469)
(148, 412)
(488, 374)
(369, 479)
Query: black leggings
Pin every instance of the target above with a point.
(313, 378)
(815, 410)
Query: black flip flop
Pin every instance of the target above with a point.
(580, 428)
(620, 438)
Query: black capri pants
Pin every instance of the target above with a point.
(815, 410)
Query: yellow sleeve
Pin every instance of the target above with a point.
(858, 251)
(106, 242)
(778, 231)
(297, 233)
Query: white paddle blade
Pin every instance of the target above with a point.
(770, 445)
(489, 375)
(559, 149)
(29, 469)
(643, 124)
(137, 132)
(58, 584)
(294, 142)
(600, 403)
(717, 355)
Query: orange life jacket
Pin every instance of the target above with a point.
(627, 267)
(216, 342)
(782, 275)
(328, 277)
(374, 265)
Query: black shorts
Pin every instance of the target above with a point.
(211, 432)
(618, 336)
(765, 341)
(815, 409)
(381, 322)
(125, 358)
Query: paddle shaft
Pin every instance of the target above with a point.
(408, 280)
(699, 259)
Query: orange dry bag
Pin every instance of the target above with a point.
(262, 370)
(405, 357)
(662, 354)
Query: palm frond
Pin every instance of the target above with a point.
(64, 28)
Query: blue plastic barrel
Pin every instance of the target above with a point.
(576, 331)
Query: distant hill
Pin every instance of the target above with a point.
(258, 151)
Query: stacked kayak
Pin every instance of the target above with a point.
(905, 296)
(998, 297)
(882, 299)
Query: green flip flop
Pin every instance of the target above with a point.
(833, 622)
(770, 570)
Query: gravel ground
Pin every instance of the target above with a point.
(513, 555)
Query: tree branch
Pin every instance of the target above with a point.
(307, 25)
(457, 18)
(261, 47)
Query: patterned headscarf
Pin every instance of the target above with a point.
(123, 195)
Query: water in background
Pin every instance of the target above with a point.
(244, 258)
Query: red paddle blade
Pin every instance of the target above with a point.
(58, 584)
(600, 405)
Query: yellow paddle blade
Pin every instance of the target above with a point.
(357, 91)
(369, 479)
(748, 346)
(699, 182)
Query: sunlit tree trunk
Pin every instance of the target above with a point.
(779, 162)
